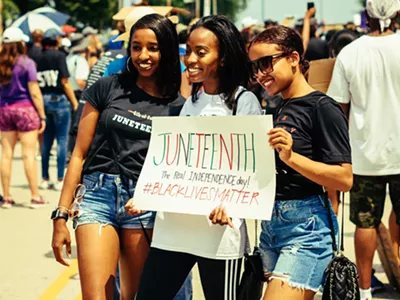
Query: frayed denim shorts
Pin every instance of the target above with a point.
(104, 202)
(296, 245)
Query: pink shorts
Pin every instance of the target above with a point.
(20, 116)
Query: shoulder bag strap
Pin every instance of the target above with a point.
(342, 227)
(330, 219)
(235, 105)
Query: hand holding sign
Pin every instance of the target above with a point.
(282, 141)
(220, 216)
(131, 208)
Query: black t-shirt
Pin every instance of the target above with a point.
(317, 49)
(123, 131)
(95, 74)
(35, 52)
(319, 130)
(52, 66)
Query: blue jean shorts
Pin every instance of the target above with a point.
(104, 201)
(296, 245)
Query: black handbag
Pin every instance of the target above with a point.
(252, 281)
(341, 282)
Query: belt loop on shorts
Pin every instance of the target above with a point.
(101, 179)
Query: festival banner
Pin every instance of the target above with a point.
(196, 163)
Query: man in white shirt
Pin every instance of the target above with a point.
(366, 82)
(78, 66)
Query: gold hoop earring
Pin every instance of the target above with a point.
(127, 64)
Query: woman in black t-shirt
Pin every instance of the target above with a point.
(113, 139)
(313, 151)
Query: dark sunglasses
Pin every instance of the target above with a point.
(264, 64)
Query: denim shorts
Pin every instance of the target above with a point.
(104, 201)
(296, 245)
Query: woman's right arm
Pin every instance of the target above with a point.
(86, 132)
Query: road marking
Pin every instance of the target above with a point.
(61, 282)
(79, 297)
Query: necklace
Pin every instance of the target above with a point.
(285, 103)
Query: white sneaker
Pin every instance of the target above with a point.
(59, 185)
(45, 185)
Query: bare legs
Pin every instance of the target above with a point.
(28, 142)
(365, 246)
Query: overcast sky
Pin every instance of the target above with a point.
(332, 11)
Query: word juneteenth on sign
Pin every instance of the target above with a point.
(213, 151)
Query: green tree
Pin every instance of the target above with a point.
(97, 13)
(10, 10)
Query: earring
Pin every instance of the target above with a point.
(127, 64)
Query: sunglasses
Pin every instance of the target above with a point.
(75, 207)
(265, 64)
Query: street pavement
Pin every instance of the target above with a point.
(27, 266)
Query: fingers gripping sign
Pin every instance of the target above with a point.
(130, 207)
(220, 216)
(281, 141)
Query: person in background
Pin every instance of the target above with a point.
(108, 158)
(95, 47)
(117, 45)
(59, 100)
(78, 66)
(269, 23)
(314, 47)
(365, 82)
(311, 140)
(340, 40)
(36, 49)
(217, 61)
(34, 53)
(78, 69)
(22, 114)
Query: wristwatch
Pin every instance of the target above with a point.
(57, 213)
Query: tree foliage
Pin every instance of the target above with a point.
(10, 10)
(94, 12)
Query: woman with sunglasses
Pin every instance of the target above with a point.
(217, 61)
(111, 147)
(311, 140)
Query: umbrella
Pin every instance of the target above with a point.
(57, 17)
(42, 18)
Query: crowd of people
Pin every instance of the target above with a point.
(63, 86)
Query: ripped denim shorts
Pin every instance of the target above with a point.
(296, 245)
(104, 201)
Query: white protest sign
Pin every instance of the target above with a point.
(196, 163)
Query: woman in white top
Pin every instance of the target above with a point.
(217, 61)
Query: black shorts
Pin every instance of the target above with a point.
(367, 199)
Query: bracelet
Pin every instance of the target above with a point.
(43, 119)
(63, 207)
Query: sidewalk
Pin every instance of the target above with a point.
(29, 271)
